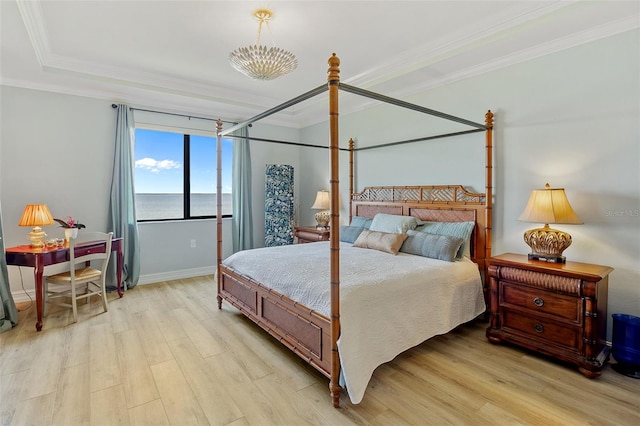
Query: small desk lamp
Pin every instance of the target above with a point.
(548, 205)
(36, 215)
(323, 204)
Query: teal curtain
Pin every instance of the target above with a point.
(241, 192)
(122, 214)
(8, 311)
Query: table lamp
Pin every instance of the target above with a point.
(548, 205)
(323, 204)
(36, 215)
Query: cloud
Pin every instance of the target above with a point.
(156, 166)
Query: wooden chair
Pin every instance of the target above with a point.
(80, 274)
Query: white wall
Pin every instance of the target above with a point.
(570, 119)
(58, 149)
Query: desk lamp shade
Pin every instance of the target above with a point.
(548, 205)
(36, 215)
(323, 204)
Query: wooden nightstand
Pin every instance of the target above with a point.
(309, 234)
(558, 309)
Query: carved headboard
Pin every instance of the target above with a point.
(433, 203)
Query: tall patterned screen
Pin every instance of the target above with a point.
(278, 205)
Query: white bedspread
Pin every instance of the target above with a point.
(388, 303)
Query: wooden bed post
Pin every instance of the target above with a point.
(488, 120)
(219, 207)
(333, 80)
(351, 154)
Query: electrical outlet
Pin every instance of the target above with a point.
(193, 243)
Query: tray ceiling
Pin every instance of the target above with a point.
(172, 55)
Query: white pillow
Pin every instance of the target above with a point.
(392, 223)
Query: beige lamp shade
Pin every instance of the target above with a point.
(548, 205)
(36, 215)
(323, 203)
(322, 200)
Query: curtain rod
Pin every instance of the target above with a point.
(177, 115)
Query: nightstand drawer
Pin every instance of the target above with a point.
(541, 301)
(541, 329)
(308, 234)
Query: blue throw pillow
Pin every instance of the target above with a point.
(435, 246)
(452, 229)
(349, 234)
(392, 223)
(360, 221)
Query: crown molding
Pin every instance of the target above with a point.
(140, 87)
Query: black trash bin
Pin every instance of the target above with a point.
(625, 345)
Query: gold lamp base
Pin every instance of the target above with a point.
(547, 244)
(323, 218)
(37, 236)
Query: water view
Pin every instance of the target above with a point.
(170, 206)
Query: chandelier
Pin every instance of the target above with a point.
(260, 62)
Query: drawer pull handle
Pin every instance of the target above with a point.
(538, 327)
(538, 302)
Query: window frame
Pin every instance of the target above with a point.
(186, 172)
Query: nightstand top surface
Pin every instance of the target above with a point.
(311, 228)
(585, 270)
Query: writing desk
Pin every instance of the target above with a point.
(38, 258)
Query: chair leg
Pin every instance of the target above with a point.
(74, 302)
(104, 296)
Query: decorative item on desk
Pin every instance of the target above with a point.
(70, 226)
(323, 204)
(36, 215)
(548, 205)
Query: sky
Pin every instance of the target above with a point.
(159, 163)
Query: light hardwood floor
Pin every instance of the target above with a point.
(164, 354)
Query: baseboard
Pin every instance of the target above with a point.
(176, 275)
(27, 295)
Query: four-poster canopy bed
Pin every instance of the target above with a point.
(314, 331)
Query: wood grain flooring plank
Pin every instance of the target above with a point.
(256, 408)
(35, 411)
(46, 367)
(150, 414)
(137, 380)
(108, 407)
(201, 338)
(280, 360)
(153, 343)
(214, 399)
(103, 357)
(10, 391)
(181, 406)
(73, 398)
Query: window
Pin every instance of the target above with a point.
(175, 175)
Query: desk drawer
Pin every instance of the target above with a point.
(543, 302)
(541, 329)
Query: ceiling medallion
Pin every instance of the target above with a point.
(260, 62)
